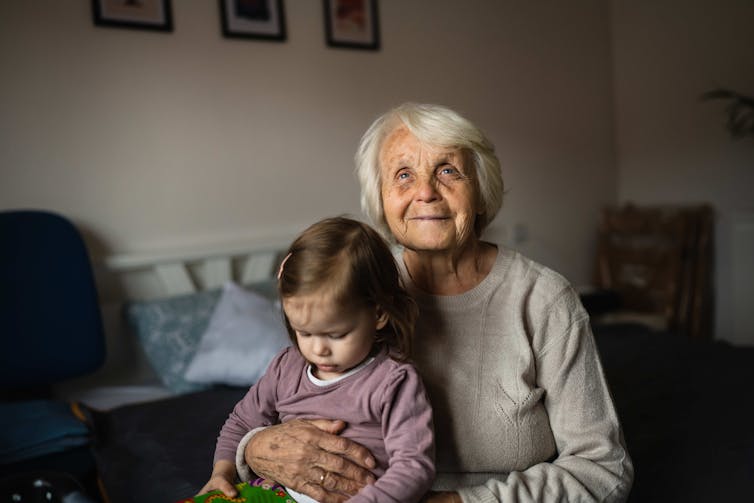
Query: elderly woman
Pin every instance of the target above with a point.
(522, 409)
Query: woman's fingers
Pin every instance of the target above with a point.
(307, 457)
(334, 482)
(349, 477)
(352, 451)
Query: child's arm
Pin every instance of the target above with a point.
(223, 476)
(256, 408)
(409, 441)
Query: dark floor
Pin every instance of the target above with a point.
(60, 473)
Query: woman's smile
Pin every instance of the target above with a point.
(428, 194)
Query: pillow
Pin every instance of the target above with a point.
(169, 331)
(245, 332)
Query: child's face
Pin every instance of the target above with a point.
(333, 338)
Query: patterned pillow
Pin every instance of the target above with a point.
(169, 331)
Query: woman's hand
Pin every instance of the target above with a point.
(223, 474)
(442, 497)
(308, 456)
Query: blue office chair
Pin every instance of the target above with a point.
(50, 330)
(50, 321)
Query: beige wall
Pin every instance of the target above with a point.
(151, 140)
(673, 148)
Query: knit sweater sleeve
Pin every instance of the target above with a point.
(257, 408)
(409, 441)
(592, 462)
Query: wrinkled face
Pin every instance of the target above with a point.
(332, 337)
(429, 194)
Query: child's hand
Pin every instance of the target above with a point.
(223, 474)
(219, 482)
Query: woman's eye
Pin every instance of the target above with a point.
(448, 170)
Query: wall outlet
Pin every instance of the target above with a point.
(520, 233)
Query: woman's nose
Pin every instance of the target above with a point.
(427, 189)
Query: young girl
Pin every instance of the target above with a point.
(351, 323)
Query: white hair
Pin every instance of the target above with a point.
(437, 126)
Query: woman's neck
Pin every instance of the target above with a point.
(450, 272)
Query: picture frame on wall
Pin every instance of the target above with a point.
(352, 24)
(254, 19)
(140, 14)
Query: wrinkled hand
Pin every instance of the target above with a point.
(308, 456)
(442, 497)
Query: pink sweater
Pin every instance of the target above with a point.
(384, 405)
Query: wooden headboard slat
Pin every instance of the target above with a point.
(217, 271)
(175, 279)
(164, 273)
(258, 266)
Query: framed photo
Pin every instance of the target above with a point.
(260, 19)
(140, 14)
(352, 24)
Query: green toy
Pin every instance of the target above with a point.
(259, 491)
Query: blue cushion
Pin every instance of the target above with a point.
(38, 427)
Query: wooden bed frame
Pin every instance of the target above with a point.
(126, 376)
(176, 272)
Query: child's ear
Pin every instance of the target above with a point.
(382, 318)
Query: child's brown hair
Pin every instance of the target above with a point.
(349, 260)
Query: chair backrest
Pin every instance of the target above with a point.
(659, 260)
(50, 321)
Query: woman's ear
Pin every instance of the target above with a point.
(382, 318)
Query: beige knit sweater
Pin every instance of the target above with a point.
(521, 406)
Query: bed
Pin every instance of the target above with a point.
(685, 405)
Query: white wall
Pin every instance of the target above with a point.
(151, 140)
(672, 148)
